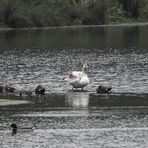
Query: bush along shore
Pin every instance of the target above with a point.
(49, 13)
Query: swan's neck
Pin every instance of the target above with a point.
(84, 70)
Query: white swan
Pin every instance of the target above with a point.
(78, 79)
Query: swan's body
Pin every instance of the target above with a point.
(79, 79)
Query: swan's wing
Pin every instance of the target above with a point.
(74, 76)
(76, 73)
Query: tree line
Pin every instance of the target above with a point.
(44, 13)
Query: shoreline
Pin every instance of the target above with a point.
(75, 27)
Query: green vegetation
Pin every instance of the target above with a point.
(43, 13)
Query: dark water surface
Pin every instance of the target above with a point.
(117, 56)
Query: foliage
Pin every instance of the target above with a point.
(97, 12)
(132, 8)
(144, 11)
(41, 13)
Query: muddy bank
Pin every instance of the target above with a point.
(6, 102)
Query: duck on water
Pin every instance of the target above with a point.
(78, 79)
(40, 90)
(15, 129)
(103, 89)
(6, 88)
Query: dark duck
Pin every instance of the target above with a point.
(103, 89)
(40, 90)
(6, 88)
(15, 129)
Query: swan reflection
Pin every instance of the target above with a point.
(77, 99)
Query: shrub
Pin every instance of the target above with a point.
(97, 13)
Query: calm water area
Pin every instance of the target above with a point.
(117, 57)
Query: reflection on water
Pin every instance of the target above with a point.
(117, 56)
(7, 102)
(75, 99)
(77, 119)
(97, 37)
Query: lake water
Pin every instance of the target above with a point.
(117, 57)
